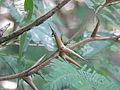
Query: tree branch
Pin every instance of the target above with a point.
(94, 39)
(31, 45)
(38, 66)
(34, 69)
(31, 70)
(95, 29)
(39, 21)
(99, 9)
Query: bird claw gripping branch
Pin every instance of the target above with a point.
(63, 49)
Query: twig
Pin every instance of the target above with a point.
(38, 61)
(76, 34)
(96, 13)
(41, 75)
(3, 29)
(28, 79)
(30, 71)
(94, 39)
(30, 82)
(95, 29)
(99, 9)
(39, 21)
(34, 69)
(31, 45)
(39, 66)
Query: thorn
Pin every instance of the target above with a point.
(118, 38)
(57, 38)
(62, 47)
(3, 29)
(95, 29)
(41, 75)
(53, 32)
(29, 81)
(71, 60)
(67, 50)
(38, 62)
(97, 35)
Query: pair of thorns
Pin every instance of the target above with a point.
(64, 50)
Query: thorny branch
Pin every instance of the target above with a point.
(94, 39)
(37, 67)
(95, 30)
(31, 70)
(39, 21)
(34, 69)
(99, 9)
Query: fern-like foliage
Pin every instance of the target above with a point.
(109, 13)
(61, 75)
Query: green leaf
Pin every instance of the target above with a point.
(42, 6)
(85, 12)
(43, 34)
(10, 50)
(28, 6)
(39, 5)
(116, 9)
(32, 54)
(61, 75)
(93, 4)
(92, 48)
(90, 4)
(14, 13)
(21, 62)
(108, 18)
(9, 63)
(107, 14)
(24, 42)
(1, 89)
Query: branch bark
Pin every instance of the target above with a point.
(94, 39)
(31, 70)
(39, 21)
(95, 29)
(35, 68)
(99, 9)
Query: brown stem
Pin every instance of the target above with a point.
(34, 69)
(39, 21)
(99, 9)
(95, 30)
(30, 71)
(70, 60)
(94, 39)
(30, 82)
(96, 13)
(31, 45)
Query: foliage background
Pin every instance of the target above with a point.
(102, 70)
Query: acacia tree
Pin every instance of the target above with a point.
(38, 48)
